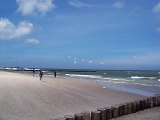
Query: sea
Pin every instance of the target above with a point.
(142, 82)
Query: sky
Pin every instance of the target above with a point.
(80, 34)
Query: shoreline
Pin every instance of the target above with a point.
(26, 97)
(120, 86)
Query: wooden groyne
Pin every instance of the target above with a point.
(109, 112)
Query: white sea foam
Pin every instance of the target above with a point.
(84, 76)
(117, 79)
(115, 82)
(30, 69)
(7, 68)
(107, 78)
(159, 80)
(11, 68)
(137, 77)
(37, 69)
(14, 68)
(27, 69)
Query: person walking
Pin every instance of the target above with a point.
(34, 72)
(55, 74)
(40, 74)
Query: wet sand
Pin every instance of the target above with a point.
(24, 97)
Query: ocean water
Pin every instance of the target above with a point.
(143, 82)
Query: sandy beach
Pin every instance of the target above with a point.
(148, 114)
(24, 97)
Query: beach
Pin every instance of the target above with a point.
(24, 97)
(148, 114)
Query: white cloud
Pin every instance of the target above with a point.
(69, 56)
(10, 31)
(102, 63)
(156, 8)
(90, 61)
(30, 7)
(77, 3)
(118, 4)
(134, 57)
(33, 41)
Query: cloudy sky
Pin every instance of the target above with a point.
(80, 34)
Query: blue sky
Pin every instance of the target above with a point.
(80, 34)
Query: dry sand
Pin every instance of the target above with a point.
(147, 114)
(24, 97)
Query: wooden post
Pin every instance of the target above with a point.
(159, 100)
(69, 117)
(95, 115)
(86, 115)
(155, 102)
(103, 113)
(137, 105)
(115, 112)
(78, 116)
(125, 110)
(158, 97)
(145, 104)
(108, 113)
(129, 107)
(123, 107)
(149, 102)
(141, 104)
(133, 106)
(112, 110)
(120, 110)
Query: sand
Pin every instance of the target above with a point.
(24, 97)
(147, 114)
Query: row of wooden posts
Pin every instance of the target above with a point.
(107, 113)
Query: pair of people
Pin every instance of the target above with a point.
(41, 74)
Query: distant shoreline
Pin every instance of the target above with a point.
(83, 75)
